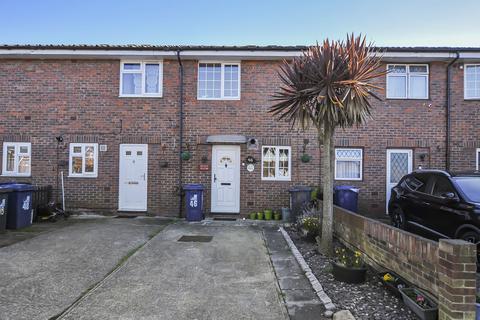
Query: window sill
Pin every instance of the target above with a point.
(16, 175)
(277, 180)
(140, 96)
(348, 179)
(219, 99)
(82, 176)
(471, 99)
(409, 99)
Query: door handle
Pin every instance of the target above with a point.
(214, 177)
(144, 176)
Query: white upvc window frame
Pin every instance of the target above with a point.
(17, 146)
(465, 67)
(84, 174)
(477, 156)
(407, 75)
(278, 177)
(142, 71)
(349, 159)
(222, 79)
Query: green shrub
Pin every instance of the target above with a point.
(311, 226)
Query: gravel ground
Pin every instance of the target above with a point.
(366, 301)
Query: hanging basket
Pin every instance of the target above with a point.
(186, 155)
(306, 158)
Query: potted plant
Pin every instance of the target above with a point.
(417, 301)
(253, 215)
(268, 214)
(260, 215)
(277, 215)
(393, 283)
(306, 158)
(348, 266)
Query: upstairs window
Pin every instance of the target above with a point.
(220, 81)
(472, 81)
(348, 164)
(141, 79)
(407, 81)
(16, 159)
(83, 160)
(276, 163)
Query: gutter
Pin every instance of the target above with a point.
(180, 166)
(449, 107)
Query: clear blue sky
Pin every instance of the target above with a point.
(239, 22)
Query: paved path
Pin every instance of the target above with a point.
(300, 298)
(230, 277)
(42, 276)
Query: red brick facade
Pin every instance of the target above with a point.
(79, 100)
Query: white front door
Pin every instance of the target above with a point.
(399, 163)
(226, 179)
(132, 195)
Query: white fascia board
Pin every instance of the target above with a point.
(209, 54)
(87, 54)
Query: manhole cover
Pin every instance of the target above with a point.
(195, 239)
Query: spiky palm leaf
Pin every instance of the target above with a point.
(331, 82)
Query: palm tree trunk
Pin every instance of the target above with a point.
(327, 211)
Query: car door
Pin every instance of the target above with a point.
(418, 188)
(445, 214)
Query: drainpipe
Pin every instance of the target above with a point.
(180, 167)
(449, 106)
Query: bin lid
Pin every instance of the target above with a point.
(300, 188)
(14, 186)
(193, 186)
(5, 190)
(346, 188)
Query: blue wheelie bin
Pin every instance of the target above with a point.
(3, 208)
(19, 212)
(346, 197)
(194, 201)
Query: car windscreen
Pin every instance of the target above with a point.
(470, 187)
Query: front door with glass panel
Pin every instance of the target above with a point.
(225, 179)
(399, 163)
(133, 177)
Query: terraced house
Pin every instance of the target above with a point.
(129, 125)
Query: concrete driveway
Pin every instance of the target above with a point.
(66, 273)
(42, 276)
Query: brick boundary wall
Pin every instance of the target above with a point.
(446, 269)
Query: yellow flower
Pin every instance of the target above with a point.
(388, 277)
(358, 253)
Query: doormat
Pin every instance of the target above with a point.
(225, 219)
(195, 239)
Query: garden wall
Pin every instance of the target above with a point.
(446, 269)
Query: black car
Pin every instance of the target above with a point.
(445, 205)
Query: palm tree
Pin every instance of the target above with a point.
(328, 86)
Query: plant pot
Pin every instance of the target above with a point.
(347, 274)
(268, 214)
(424, 314)
(277, 216)
(186, 155)
(260, 215)
(394, 286)
(253, 215)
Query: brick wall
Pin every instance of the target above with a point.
(446, 269)
(78, 99)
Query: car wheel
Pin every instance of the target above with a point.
(398, 218)
(471, 236)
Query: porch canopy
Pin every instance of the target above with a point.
(227, 139)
